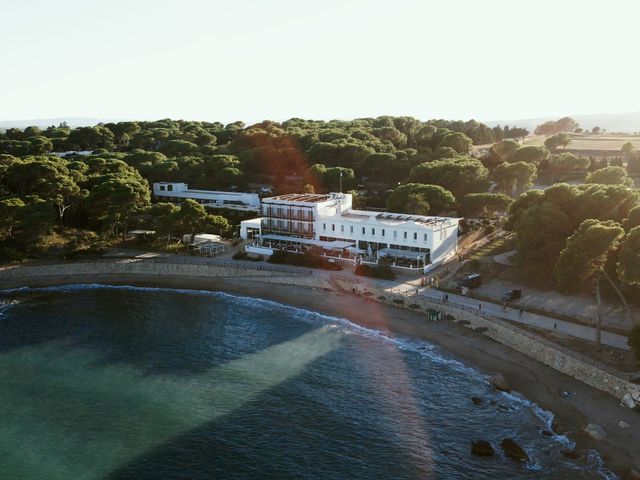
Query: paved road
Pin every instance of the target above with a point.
(532, 319)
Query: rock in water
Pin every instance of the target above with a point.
(595, 431)
(481, 448)
(499, 381)
(476, 400)
(513, 450)
(570, 453)
(623, 424)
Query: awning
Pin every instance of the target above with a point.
(336, 244)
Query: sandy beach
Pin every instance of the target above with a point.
(531, 379)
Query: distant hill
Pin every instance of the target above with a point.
(47, 122)
(613, 122)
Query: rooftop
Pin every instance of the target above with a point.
(301, 197)
(398, 218)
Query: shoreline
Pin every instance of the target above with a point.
(533, 380)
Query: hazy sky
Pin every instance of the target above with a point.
(275, 59)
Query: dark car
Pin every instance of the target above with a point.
(511, 295)
(473, 280)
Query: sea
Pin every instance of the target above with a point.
(120, 382)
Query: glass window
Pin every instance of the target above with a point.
(383, 232)
(405, 235)
(425, 237)
(324, 226)
(373, 231)
(342, 228)
(415, 235)
(395, 234)
(333, 227)
(351, 229)
(170, 188)
(162, 187)
(363, 232)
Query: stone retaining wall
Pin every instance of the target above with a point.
(549, 353)
(21, 275)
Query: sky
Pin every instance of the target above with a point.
(274, 59)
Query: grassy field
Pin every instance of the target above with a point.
(590, 142)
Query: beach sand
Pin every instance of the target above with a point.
(533, 380)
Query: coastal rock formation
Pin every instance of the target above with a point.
(570, 453)
(481, 448)
(595, 431)
(499, 381)
(628, 401)
(476, 400)
(513, 450)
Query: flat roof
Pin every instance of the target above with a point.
(300, 197)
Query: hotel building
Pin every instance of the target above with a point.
(326, 224)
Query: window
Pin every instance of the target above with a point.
(333, 227)
(405, 235)
(383, 232)
(170, 188)
(425, 237)
(363, 232)
(373, 231)
(395, 234)
(415, 235)
(342, 228)
(324, 226)
(162, 187)
(351, 229)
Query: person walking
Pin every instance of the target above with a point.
(480, 306)
(520, 313)
(446, 298)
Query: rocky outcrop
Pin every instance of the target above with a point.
(499, 381)
(595, 431)
(481, 448)
(513, 450)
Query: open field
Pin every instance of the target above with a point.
(591, 142)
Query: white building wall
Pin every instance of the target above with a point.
(212, 197)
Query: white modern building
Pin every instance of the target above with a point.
(326, 224)
(177, 192)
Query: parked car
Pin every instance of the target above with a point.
(511, 295)
(473, 280)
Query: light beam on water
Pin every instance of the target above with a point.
(65, 415)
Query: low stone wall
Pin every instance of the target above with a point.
(549, 353)
(23, 275)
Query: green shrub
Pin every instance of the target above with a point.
(378, 271)
(241, 255)
(302, 260)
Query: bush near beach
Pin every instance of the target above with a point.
(303, 260)
(380, 271)
(242, 255)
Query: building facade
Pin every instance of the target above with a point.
(177, 192)
(328, 224)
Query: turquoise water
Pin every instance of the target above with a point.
(123, 382)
